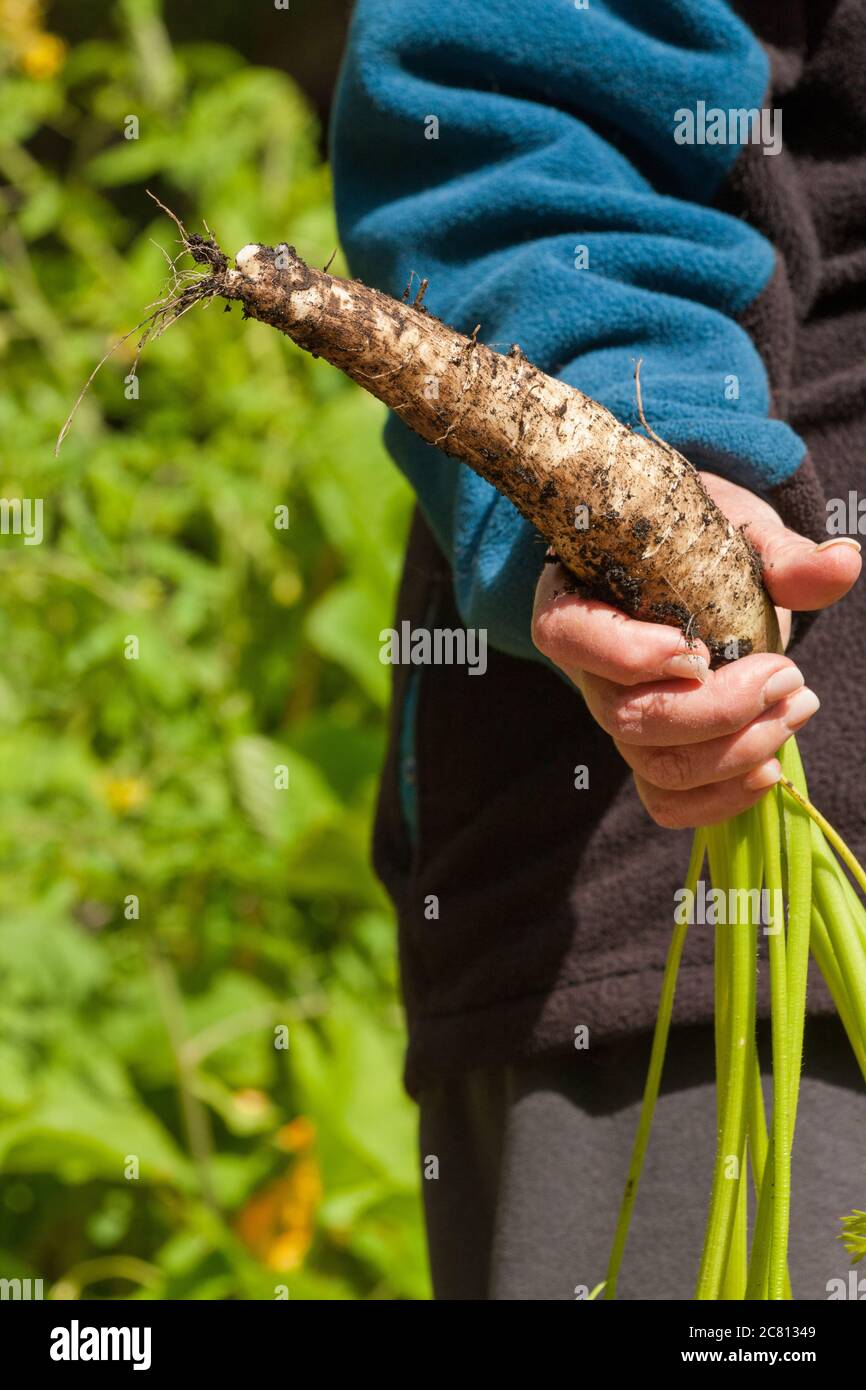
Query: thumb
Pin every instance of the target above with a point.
(799, 574)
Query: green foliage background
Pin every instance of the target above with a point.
(153, 1038)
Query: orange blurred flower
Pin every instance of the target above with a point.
(296, 1136)
(277, 1223)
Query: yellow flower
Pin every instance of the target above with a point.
(124, 794)
(286, 588)
(43, 56)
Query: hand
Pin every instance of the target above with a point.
(700, 743)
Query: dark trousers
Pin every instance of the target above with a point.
(532, 1159)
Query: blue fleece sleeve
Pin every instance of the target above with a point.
(521, 154)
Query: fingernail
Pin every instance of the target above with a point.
(803, 705)
(767, 775)
(782, 683)
(686, 667)
(839, 540)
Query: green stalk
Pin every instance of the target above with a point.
(718, 854)
(756, 1287)
(824, 914)
(822, 950)
(757, 1127)
(654, 1073)
(798, 893)
(781, 1143)
(758, 1139)
(858, 912)
(798, 840)
(759, 1264)
(828, 832)
(736, 1270)
(732, 1136)
(718, 858)
(831, 900)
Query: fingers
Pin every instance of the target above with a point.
(584, 635)
(704, 806)
(701, 743)
(691, 766)
(798, 573)
(672, 713)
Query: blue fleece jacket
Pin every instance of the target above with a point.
(521, 155)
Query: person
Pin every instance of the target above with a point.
(605, 182)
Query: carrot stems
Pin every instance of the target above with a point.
(822, 950)
(785, 844)
(740, 1028)
(654, 1072)
(829, 834)
(798, 886)
(780, 1027)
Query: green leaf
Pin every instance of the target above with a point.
(344, 626)
(285, 813)
(44, 957)
(71, 1133)
(349, 1075)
